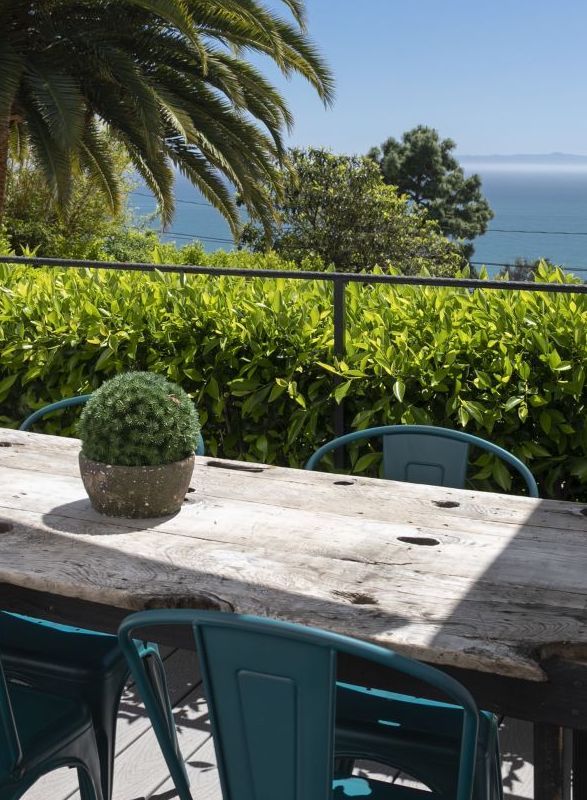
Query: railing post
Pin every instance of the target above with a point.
(339, 319)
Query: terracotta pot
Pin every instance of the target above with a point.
(136, 492)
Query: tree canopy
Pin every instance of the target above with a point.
(34, 222)
(525, 269)
(170, 80)
(338, 208)
(422, 166)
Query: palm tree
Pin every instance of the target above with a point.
(168, 79)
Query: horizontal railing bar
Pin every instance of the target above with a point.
(346, 277)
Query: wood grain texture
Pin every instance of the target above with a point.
(478, 581)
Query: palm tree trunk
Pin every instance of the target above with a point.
(4, 138)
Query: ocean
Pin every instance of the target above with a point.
(540, 212)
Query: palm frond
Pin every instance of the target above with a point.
(96, 158)
(156, 173)
(51, 156)
(170, 80)
(200, 172)
(11, 63)
(176, 13)
(298, 10)
(57, 98)
(18, 146)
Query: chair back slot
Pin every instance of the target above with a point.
(418, 458)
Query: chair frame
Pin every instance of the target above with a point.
(19, 773)
(331, 642)
(69, 402)
(433, 431)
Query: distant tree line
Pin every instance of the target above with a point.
(340, 209)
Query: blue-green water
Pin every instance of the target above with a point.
(536, 200)
(194, 218)
(523, 198)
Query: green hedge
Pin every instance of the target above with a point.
(257, 357)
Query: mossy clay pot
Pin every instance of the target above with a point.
(136, 492)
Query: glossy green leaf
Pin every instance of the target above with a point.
(399, 390)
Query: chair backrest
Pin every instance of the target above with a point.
(79, 400)
(270, 688)
(67, 402)
(426, 454)
(10, 751)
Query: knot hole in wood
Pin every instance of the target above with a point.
(425, 541)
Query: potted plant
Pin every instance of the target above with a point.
(138, 434)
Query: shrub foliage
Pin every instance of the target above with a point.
(257, 357)
(338, 208)
(138, 419)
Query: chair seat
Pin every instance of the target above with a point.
(26, 641)
(46, 722)
(395, 712)
(418, 736)
(351, 788)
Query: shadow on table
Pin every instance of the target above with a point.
(78, 517)
(530, 596)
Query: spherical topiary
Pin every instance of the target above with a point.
(139, 419)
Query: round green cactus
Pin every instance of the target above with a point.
(139, 419)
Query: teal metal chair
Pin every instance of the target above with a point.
(41, 731)
(79, 663)
(426, 454)
(69, 402)
(417, 736)
(83, 666)
(281, 722)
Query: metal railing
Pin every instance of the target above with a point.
(339, 281)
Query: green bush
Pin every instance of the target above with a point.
(257, 357)
(138, 419)
(337, 208)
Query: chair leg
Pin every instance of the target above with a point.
(87, 789)
(343, 767)
(147, 686)
(104, 701)
(89, 772)
(156, 672)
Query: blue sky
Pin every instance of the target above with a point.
(508, 76)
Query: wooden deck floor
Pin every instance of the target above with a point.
(140, 772)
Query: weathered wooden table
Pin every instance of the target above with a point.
(492, 588)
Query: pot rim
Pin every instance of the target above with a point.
(83, 457)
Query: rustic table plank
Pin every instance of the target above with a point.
(355, 496)
(477, 581)
(322, 532)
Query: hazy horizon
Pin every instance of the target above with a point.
(554, 156)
